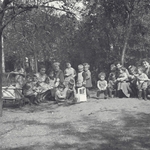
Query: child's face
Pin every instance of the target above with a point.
(86, 68)
(102, 78)
(112, 67)
(118, 66)
(80, 70)
(35, 79)
(60, 89)
(29, 79)
(120, 71)
(145, 64)
(42, 71)
(68, 65)
(139, 71)
(70, 86)
(47, 81)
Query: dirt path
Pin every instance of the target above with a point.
(113, 124)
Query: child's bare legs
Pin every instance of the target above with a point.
(102, 91)
(88, 92)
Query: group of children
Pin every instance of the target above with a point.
(120, 80)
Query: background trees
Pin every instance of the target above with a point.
(99, 32)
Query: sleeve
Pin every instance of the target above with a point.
(98, 85)
(65, 73)
(74, 73)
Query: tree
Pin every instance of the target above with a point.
(9, 9)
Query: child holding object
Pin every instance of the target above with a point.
(102, 85)
(142, 80)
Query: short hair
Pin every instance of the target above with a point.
(123, 69)
(61, 85)
(42, 66)
(101, 74)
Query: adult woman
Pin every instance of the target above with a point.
(58, 73)
(19, 76)
(146, 67)
(58, 76)
(42, 82)
(122, 85)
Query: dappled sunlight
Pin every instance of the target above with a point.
(85, 126)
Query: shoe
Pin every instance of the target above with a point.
(105, 97)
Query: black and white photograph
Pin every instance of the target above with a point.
(75, 75)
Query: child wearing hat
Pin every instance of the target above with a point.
(102, 85)
(87, 78)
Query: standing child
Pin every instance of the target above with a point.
(102, 85)
(79, 81)
(87, 79)
(142, 80)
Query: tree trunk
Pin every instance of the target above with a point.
(3, 56)
(1, 31)
(127, 34)
(1, 101)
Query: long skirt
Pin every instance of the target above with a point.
(125, 88)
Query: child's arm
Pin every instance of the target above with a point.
(144, 77)
(98, 85)
(123, 78)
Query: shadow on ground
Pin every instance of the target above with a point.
(131, 132)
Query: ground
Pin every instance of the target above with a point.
(112, 124)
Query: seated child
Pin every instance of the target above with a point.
(142, 80)
(102, 85)
(60, 94)
(112, 81)
(28, 90)
(71, 92)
